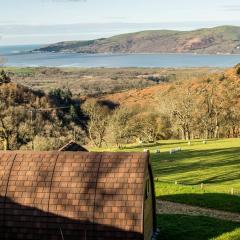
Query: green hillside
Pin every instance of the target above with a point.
(223, 39)
(215, 164)
(179, 178)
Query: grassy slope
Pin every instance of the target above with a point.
(217, 165)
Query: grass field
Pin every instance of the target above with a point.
(183, 227)
(216, 165)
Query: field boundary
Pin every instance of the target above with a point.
(167, 207)
(202, 186)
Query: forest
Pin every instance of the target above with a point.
(201, 107)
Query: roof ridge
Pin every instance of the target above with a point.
(69, 152)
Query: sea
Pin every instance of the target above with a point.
(21, 56)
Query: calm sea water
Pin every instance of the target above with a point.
(20, 57)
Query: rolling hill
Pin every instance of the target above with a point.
(227, 80)
(218, 40)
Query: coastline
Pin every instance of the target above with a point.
(138, 53)
(117, 60)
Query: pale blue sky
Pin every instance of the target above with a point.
(36, 20)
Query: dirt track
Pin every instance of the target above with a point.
(165, 207)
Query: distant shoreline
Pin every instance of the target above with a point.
(140, 53)
(25, 57)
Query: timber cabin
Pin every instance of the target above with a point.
(76, 195)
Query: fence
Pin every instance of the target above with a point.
(204, 186)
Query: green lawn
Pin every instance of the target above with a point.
(216, 164)
(193, 195)
(183, 227)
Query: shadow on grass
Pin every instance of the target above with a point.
(141, 146)
(160, 144)
(183, 227)
(199, 160)
(219, 201)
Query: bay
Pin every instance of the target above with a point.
(19, 56)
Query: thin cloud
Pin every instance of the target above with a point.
(65, 1)
(115, 18)
(231, 8)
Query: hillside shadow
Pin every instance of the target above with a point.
(219, 201)
(22, 222)
(183, 227)
(141, 146)
(110, 104)
(196, 158)
(160, 144)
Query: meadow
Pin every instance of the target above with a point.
(200, 168)
(201, 174)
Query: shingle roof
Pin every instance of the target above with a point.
(73, 147)
(72, 193)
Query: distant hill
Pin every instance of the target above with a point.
(227, 81)
(223, 39)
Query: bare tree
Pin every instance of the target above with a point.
(180, 105)
(124, 126)
(98, 121)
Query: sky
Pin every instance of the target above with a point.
(48, 21)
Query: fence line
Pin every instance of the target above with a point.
(202, 186)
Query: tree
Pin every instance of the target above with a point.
(11, 121)
(210, 109)
(73, 113)
(237, 67)
(61, 96)
(180, 108)
(98, 121)
(124, 126)
(154, 126)
(4, 78)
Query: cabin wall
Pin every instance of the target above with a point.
(148, 208)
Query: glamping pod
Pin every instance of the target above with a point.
(76, 195)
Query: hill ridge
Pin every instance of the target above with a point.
(217, 40)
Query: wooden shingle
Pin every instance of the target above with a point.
(78, 195)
